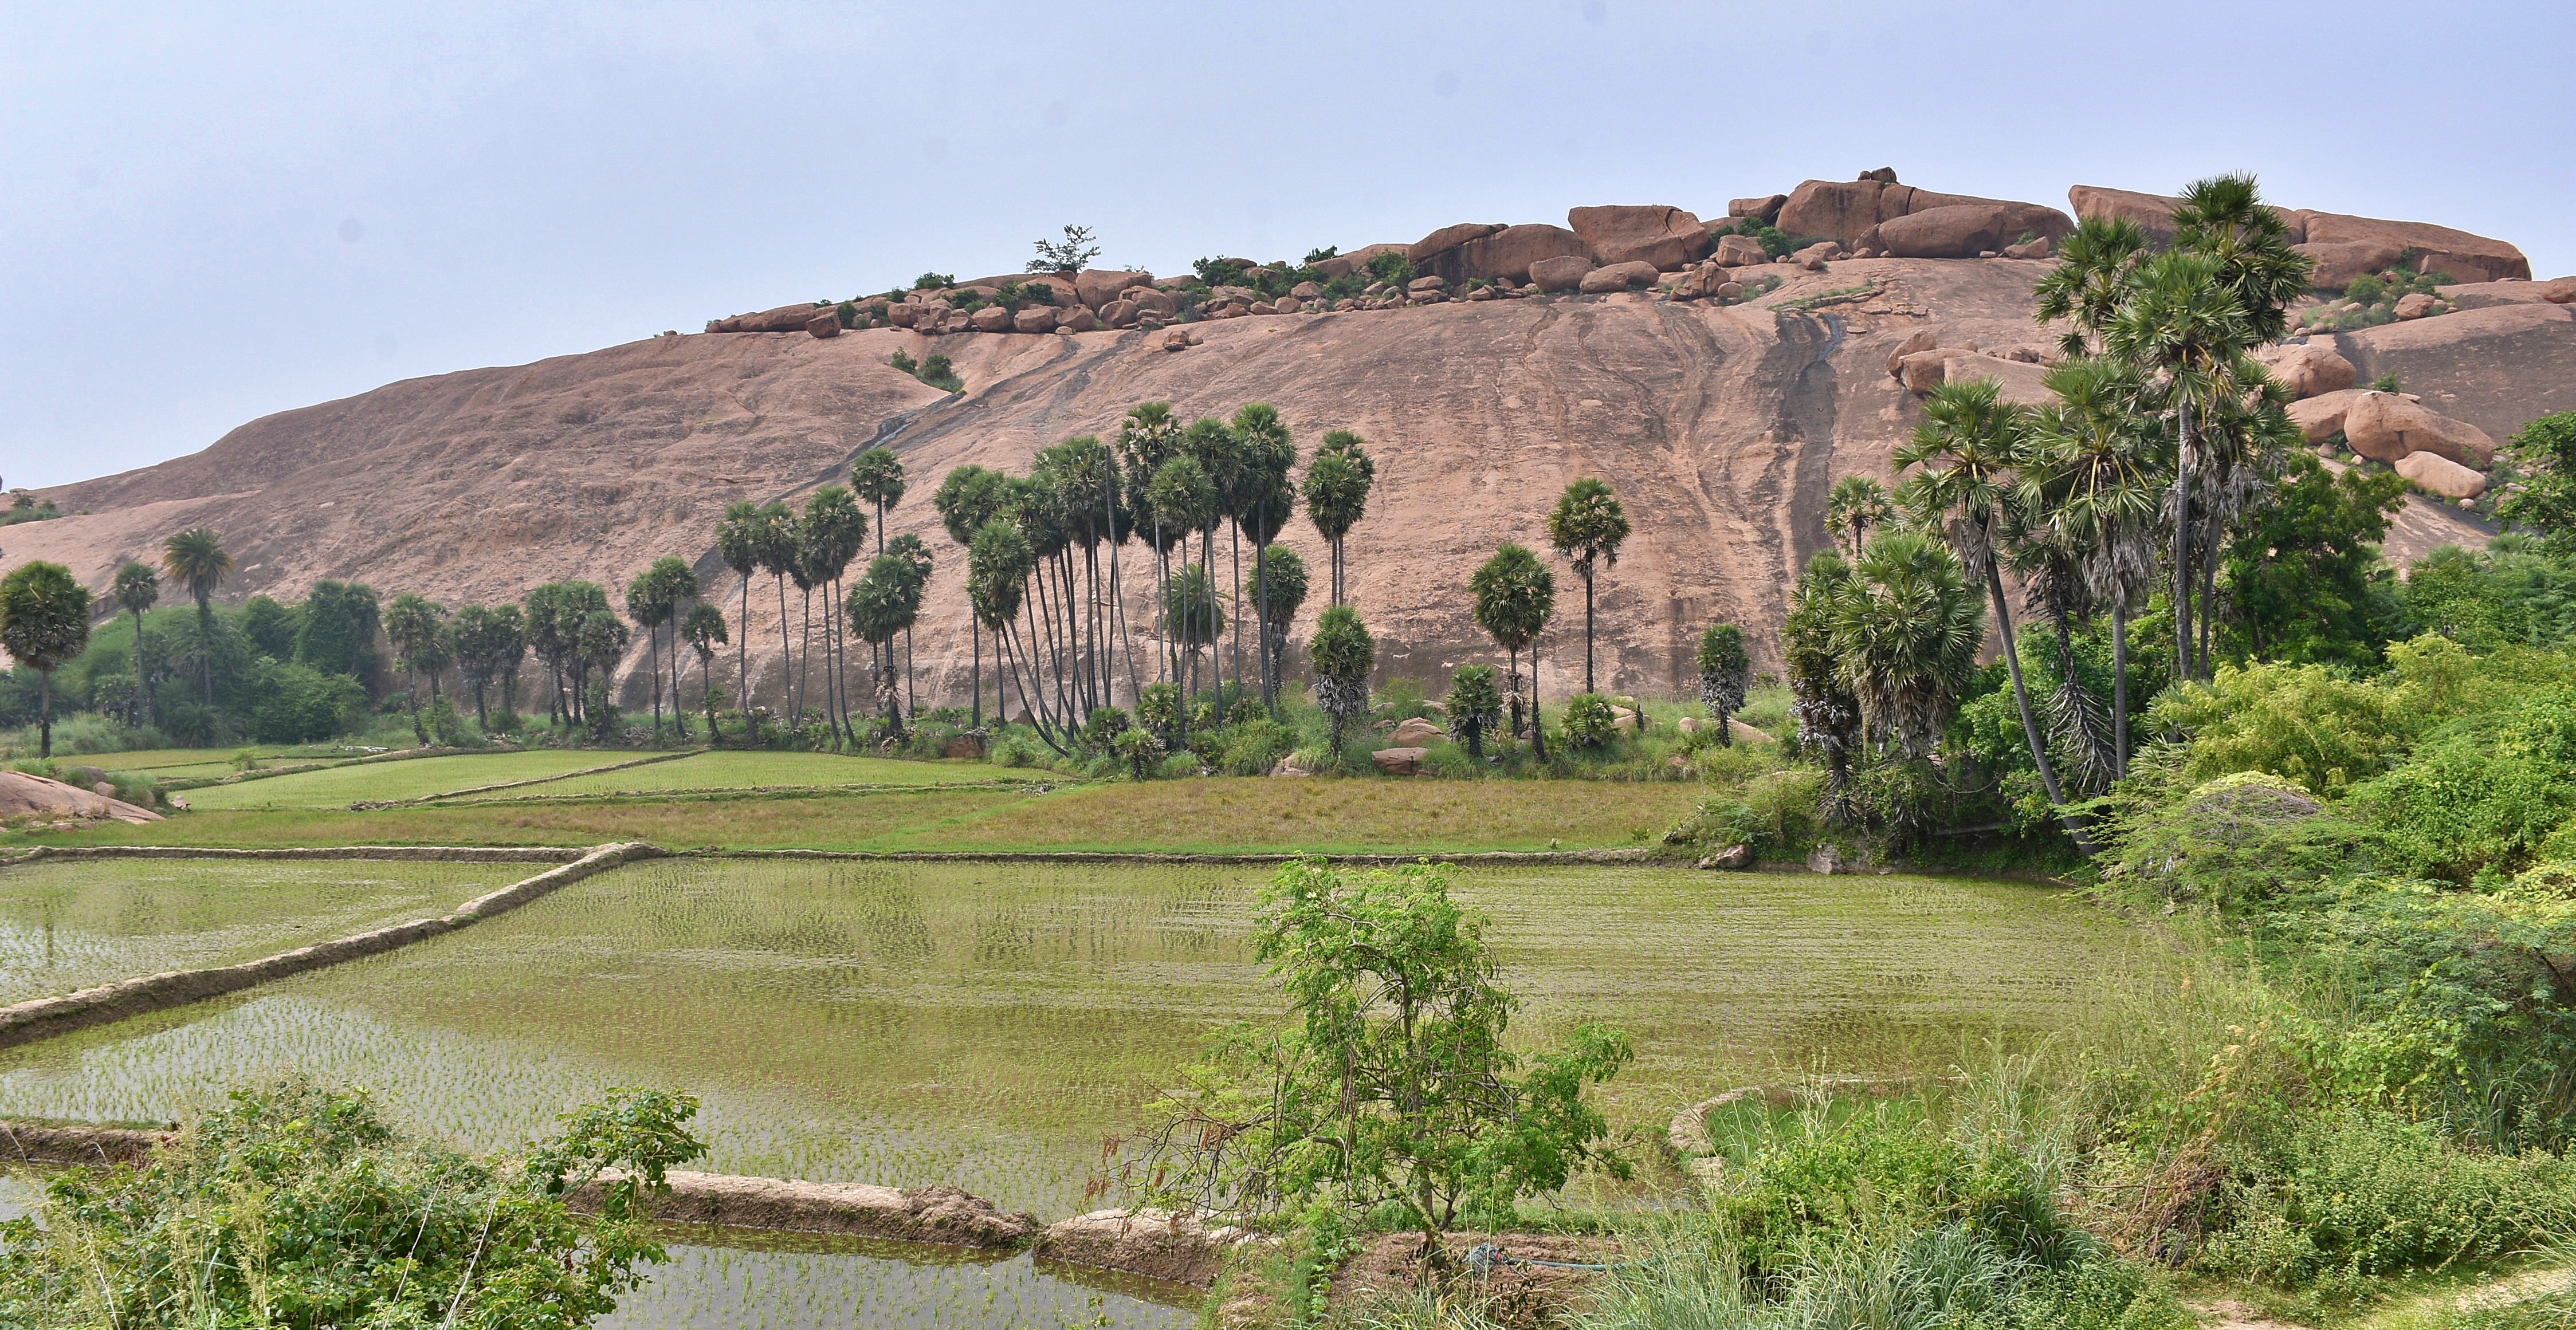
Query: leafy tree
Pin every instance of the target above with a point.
(674, 583)
(832, 532)
(1723, 670)
(270, 626)
(1393, 1085)
(2547, 503)
(650, 606)
(1343, 654)
(2304, 574)
(416, 627)
(338, 632)
(134, 591)
(195, 558)
(1191, 617)
(1587, 526)
(705, 631)
(299, 1206)
(1857, 505)
(1590, 721)
(1515, 594)
(601, 642)
(489, 644)
(1067, 256)
(998, 563)
(1904, 631)
(44, 621)
(1475, 706)
(967, 498)
(1336, 492)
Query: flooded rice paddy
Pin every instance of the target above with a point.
(985, 1024)
(67, 925)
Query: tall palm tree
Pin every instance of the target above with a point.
(1515, 594)
(876, 476)
(2225, 218)
(738, 543)
(705, 631)
(44, 621)
(1184, 499)
(1857, 504)
(1905, 630)
(1965, 446)
(649, 604)
(834, 530)
(135, 589)
(775, 548)
(1258, 505)
(966, 499)
(196, 559)
(2185, 335)
(2090, 280)
(1588, 526)
(675, 583)
(412, 624)
(1336, 490)
(1822, 704)
(2095, 471)
(884, 602)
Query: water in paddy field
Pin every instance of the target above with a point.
(985, 1025)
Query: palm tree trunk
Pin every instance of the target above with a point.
(707, 697)
(2182, 551)
(653, 672)
(2119, 691)
(134, 713)
(742, 659)
(45, 713)
(1538, 728)
(1587, 632)
(2208, 587)
(2021, 699)
(975, 671)
(787, 674)
(206, 648)
(1234, 597)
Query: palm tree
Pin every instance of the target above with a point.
(876, 476)
(674, 583)
(1905, 630)
(1343, 654)
(775, 548)
(997, 570)
(1183, 499)
(1822, 704)
(833, 531)
(884, 603)
(2095, 470)
(2225, 218)
(412, 624)
(648, 604)
(1515, 594)
(1588, 526)
(2091, 280)
(1965, 446)
(135, 589)
(705, 631)
(1195, 622)
(967, 498)
(1857, 504)
(602, 640)
(197, 560)
(1475, 706)
(44, 621)
(1336, 491)
(916, 564)
(1284, 587)
(2183, 333)
(738, 543)
(1259, 504)
(1723, 667)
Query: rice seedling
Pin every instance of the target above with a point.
(743, 771)
(411, 778)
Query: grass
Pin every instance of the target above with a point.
(70, 925)
(986, 1024)
(1197, 816)
(757, 770)
(413, 778)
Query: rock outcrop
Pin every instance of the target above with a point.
(2497, 368)
(23, 795)
(1504, 253)
(2387, 427)
(1619, 277)
(1851, 212)
(2306, 368)
(2344, 246)
(2437, 474)
(1664, 236)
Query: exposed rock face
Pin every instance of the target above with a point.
(2498, 369)
(1619, 277)
(785, 318)
(1764, 210)
(2441, 475)
(25, 795)
(1959, 231)
(2338, 263)
(1446, 239)
(1504, 253)
(1850, 211)
(2436, 248)
(1664, 236)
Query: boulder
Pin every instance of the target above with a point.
(903, 315)
(1765, 209)
(2414, 305)
(1736, 856)
(1922, 371)
(1400, 761)
(1076, 319)
(2559, 290)
(2497, 369)
(1447, 238)
(1619, 277)
(2021, 383)
(1153, 1243)
(1416, 731)
(1921, 339)
(1421, 284)
(2488, 295)
(2319, 417)
(1427, 298)
(1505, 254)
(1960, 231)
(1177, 339)
(1034, 319)
(785, 318)
(2437, 474)
(1739, 251)
(2035, 249)
(1306, 291)
(1150, 301)
(1818, 254)
(1118, 313)
(1559, 274)
(1826, 859)
(994, 318)
(967, 746)
(2154, 212)
(1729, 291)
(2338, 262)
(1660, 234)
(2457, 254)
(1098, 286)
(2307, 370)
(1343, 265)
(1263, 307)
(24, 795)
(1287, 305)
(1850, 211)
(825, 324)
(2386, 427)
(1843, 210)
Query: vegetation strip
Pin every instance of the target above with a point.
(26, 1022)
(331, 764)
(433, 854)
(1495, 858)
(366, 805)
(737, 791)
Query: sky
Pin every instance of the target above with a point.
(211, 212)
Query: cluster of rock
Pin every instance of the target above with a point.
(2438, 454)
(1922, 364)
(2343, 247)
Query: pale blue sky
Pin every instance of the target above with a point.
(212, 212)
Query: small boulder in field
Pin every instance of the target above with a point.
(1400, 761)
(2440, 475)
(1415, 732)
(1732, 857)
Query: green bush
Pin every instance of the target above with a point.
(1252, 747)
(2308, 724)
(1587, 721)
(2232, 843)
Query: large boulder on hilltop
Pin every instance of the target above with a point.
(991, 318)
(1034, 319)
(2440, 475)
(2307, 370)
(1150, 301)
(2339, 262)
(1740, 251)
(1660, 234)
(1098, 286)
(1619, 277)
(1764, 210)
(2458, 254)
(1847, 211)
(2498, 369)
(1565, 274)
(1343, 265)
(2386, 427)
(1959, 231)
(2154, 212)
(1446, 239)
(785, 318)
(1508, 252)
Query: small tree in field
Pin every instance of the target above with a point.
(1343, 653)
(1723, 667)
(1392, 1084)
(1475, 706)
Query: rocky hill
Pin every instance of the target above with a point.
(1631, 344)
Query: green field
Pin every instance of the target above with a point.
(742, 771)
(70, 925)
(985, 1024)
(410, 778)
